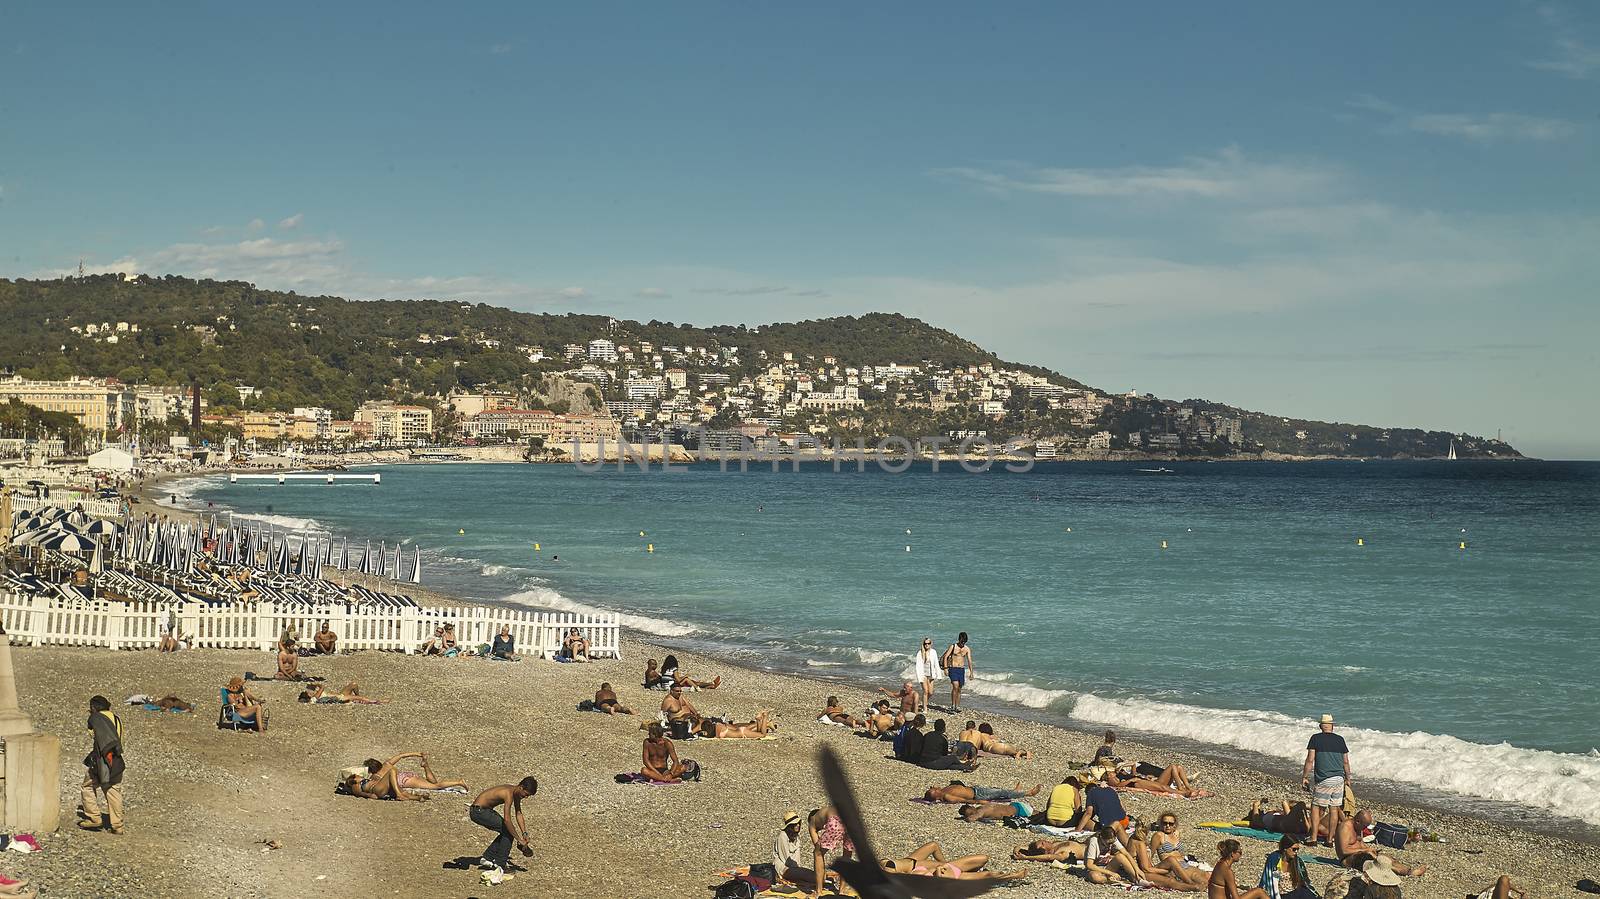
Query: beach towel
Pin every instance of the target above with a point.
(636, 778)
(152, 707)
(1065, 833)
(1255, 834)
(919, 800)
(824, 719)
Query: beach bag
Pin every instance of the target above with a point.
(763, 871)
(586, 706)
(735, 889)
(1391, 835)
(1349, 802)
(691, 770)
(679, 729)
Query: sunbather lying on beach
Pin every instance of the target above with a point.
(984, 739)
(652, 676)
(1290, 818)
(575, 647)
(316, 693)
(246, 705)
(660, 762)
(958, 792)
(750, 730)
(325, 639)
(1050, 851)
(605, 700)
(928, 860)
(984, 811)
(386, 781)
(1168, 783)
(836, 713)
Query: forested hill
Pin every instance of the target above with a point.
(334, 352)
(337, 353)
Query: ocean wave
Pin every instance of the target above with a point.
(813, 663)
(493, 570)
(282, 522)
(1564, 783)
(1021, 693)
(545, 598)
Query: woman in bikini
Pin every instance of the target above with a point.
(1150, 869)
(1167, 852)
(928, 861)
(1152, 785)
(1063, 851)
(836, 713)
(1223, 884)
(246, 705)
(988, 742)
(316, 693)
(750, 730)
(385, 780)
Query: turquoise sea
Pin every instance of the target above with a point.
(1472, 672)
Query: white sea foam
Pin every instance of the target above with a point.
(1354, 669)
(1021, 693)
(546, 598)
(813, 663)
(1565, 783)
(281, 522)
(493, 570)
(877, 656)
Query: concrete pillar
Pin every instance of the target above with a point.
(33, 783)
(12, 720)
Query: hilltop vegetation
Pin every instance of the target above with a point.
(337, 353)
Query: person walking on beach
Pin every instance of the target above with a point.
(1327, 773)
(927, 672)
(507, 824)
(106, 767)
(957, 663)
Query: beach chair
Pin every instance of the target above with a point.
(229, 719)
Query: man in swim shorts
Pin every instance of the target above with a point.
(957, 665)
(979, 811)
(1327, 773)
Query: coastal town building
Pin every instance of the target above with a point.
(100, 405)
(392, 421)
(497, 424)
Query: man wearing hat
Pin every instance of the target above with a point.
(786, 857)
(1327, 772)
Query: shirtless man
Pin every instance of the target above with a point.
(1353, 853)
(660, 758)
(981, 811)
(605, 700)
(507, 824)
(325, 639)
(882, 722)
(907, 697)
(958, 666)
(958, 792)
(288, 657)
(750, 730)
(678, 708)
(984, 739)
(1063, 851)
(836, 713)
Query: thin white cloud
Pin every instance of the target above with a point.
(1571, 53)
(212, 230)
(292, 222)
(1479, 127)
(652, 293)
(500, 49)
(255, 225)
(1226, 175)
(320, 266)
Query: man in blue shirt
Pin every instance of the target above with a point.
(1327, 773)
(1103, 807)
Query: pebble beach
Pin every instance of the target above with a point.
(201, 803)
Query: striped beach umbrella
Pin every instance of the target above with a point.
(66, 542)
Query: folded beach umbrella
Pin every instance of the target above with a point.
(78, 517)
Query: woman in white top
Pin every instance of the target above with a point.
(928, 670)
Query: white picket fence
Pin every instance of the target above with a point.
(37, 620)
(99, 508)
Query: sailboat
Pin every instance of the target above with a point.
(1452, 456)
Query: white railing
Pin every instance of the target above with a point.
(99, 508)
(37, 620)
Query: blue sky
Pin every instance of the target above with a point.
(1361, 213)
